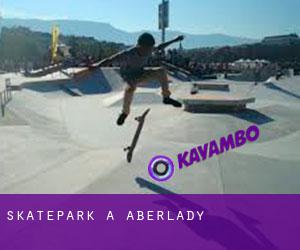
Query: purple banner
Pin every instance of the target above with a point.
(163, 221)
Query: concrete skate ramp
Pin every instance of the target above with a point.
(101, 81)
(72, 145)
(275, 87)
(11, 119)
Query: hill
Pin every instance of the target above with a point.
(106, 32)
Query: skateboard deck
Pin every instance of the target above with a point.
(130, 149)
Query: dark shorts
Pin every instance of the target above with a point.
(132, 75)
(143, 76)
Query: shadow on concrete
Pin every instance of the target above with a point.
(272, 86)
(214, 228)
(69, 91)
(92, 84)
(253, 116)
(242, 113)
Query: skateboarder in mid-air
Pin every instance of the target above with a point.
(132, 64)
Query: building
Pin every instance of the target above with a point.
(281, 40)
(243, 64)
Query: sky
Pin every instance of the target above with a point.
(244, 18)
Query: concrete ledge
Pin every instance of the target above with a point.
(211, 86)
(215, 103)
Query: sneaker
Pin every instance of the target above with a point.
(121, 119)
(170, 101)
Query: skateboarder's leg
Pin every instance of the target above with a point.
(152, 74)
(162, 77)
(157, 74)
(128, 97)
(160, 74)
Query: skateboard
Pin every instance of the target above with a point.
(130, 149)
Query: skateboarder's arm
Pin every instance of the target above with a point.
(110, 60)
(103, 63)
(162, 46)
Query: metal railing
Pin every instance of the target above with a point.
(5, 96)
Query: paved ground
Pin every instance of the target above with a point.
(56, 142)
